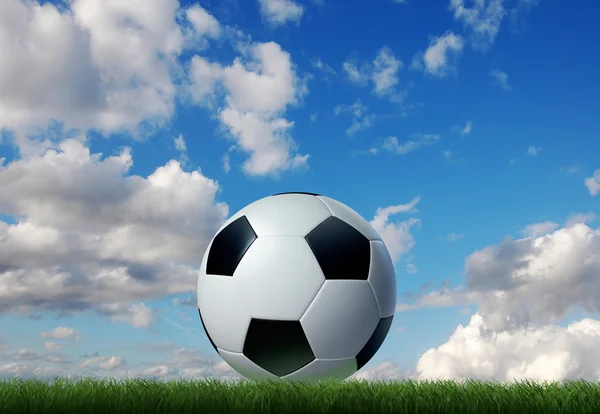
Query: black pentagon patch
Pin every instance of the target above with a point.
(229, 246)
(341, 250)
(373, 344)
(279, 347)
(296, 192)
(206, 332)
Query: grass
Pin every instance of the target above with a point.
(211, 396)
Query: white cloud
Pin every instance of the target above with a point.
(128, 65)
(126, 56)
(569, 169)
(593, 183)
(182, 363)
(396, 236)
(530, 281)
(439, 58)
(516, 13)
(355, 75)
(322, 66)
(522, 289)
(62, 332)
(180, 143)
(411, 268)
(137, 315)
(501, 78)
(385, 72)
(382, 73)
(204, 23)
(361, 118)
(467, 129)
(385, 371)
(579, 218)
(185, 364)
(417, 62)
(226, 163)
(539, 229)
(280, 12)
(203, 78)
(105, 363)
(267, 140)
(482, 19)
(544, 353)
(181, 147)
(266, 85)
(391, 143)
(533, 151)
(52, 345)
(257, 94)
(452, 237)
(370, 151)
(89, 236)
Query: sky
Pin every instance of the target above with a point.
(465, 131)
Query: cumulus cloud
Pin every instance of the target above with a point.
(204, 23)
(397, 236)
(163, 361)
(382, 72)
(105, 363)
(440, 57)
(61, 332)
(544, 353)
(137, 315)
(482, 19)
(126, 58)
(280, 12)
(530, 281)
(185, 363)
(533, 151)
(593, 183)
(89, 236)
(523, 289)
(52, 345)
(203, 78)
(256, 94)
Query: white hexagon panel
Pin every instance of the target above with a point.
(223, 314)
(270, 215)
(382, 279)
(296, 286)
(341, 319)
(278, 277)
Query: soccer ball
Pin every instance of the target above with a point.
(296, 286)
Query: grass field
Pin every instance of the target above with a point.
(212, 396)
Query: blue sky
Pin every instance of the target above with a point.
(466, 131)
